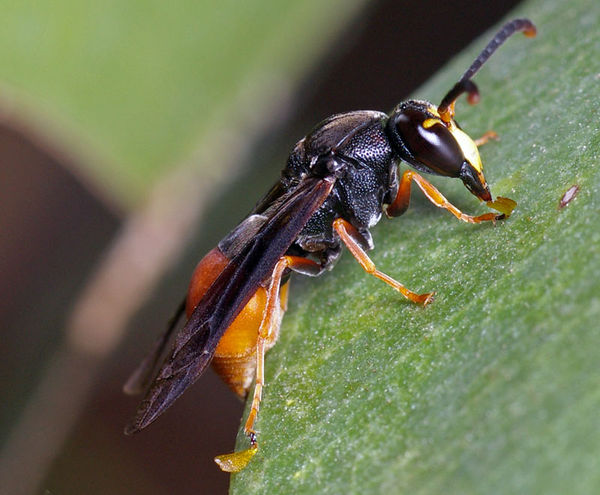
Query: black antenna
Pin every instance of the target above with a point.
(464, 84)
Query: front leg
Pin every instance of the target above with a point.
(400, 203)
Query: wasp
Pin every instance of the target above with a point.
(337, 183)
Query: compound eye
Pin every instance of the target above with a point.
(430, 142)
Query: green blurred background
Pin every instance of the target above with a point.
(101, 104)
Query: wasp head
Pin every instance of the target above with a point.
(429, 138)
(436, 145)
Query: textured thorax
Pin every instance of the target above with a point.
(356, 142)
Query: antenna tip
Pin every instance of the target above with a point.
(527, 27)
(473, 98)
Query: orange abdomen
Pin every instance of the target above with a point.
(235, 355)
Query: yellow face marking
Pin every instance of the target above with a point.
(468, 147)
(431, 122)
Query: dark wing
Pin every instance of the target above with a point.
(196, 342)
(140, 379)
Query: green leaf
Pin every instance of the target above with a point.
(494, 387)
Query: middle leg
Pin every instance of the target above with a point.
(350, 236)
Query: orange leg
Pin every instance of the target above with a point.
(267, 335)
(402, 200)
(349, 235)
(269, 330)
(486, 138)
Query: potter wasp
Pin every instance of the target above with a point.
(338, 182)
